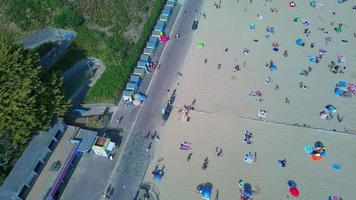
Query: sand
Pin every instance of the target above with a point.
(224, 110)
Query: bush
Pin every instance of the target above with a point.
(68, 17)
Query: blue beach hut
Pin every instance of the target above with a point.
(131, 86)
(135, 79)
(142, 65)
(127, 95)
(153, 39)
(164, 18)
(148, 51)
(160, 26)
(167, 12)
(151, 45)
(139, 72)
(156, 34)
(145, 58)
(171, 3)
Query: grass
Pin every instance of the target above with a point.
(72, 55)
(44, 48)
(111, 84)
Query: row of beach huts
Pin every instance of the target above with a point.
(130, 94)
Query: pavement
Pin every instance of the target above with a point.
(134, 159)
(124, 175)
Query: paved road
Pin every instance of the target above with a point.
(135, 158)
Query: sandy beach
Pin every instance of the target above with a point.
(237, 47)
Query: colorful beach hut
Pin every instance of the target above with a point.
(171, 3)
(127, 95)
(166, 7)
(145, 58)
(160, 26)
(135, 79)
(148, 51)
(131, 86)
(151, 45)
(142, 65)
(153, 39)
(164, 18)
(167, 12)
(156, 34)
(139, 72)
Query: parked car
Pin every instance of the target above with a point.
(195, 24)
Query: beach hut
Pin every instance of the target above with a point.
(156, 34)
(164, 18)
(127, 95)
(139, 72)
(171, 3)
(142, 65)
(151, 45)
(154, 39)
(160, 26)
(148, 51)
(131, 86)
(166, 7)
(145, 58)
(135, 79)
(167, 12)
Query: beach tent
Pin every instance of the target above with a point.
(151, 45)
(334, 197)
(338, 29)
(336, 166)
(140, 72)
(156, 34)
(300, 42)
(148, 51)
(297, 19)
(131, 86)
(145, 58)
(248, 158)
(135, 79)
(164, 18)
(127, 95)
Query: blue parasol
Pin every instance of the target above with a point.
(247, 190)
(273, 67)
(299, 42)
(292, 184)
(338, 91)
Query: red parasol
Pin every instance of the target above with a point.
(164, 39)
(294, 192)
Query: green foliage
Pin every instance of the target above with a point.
(28, 101)
(67, 17)
(98, 11)
(73, 54)
(113, 80)
(30, 14)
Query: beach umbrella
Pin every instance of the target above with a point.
(252, 26)
(297, 19)
(312, 59)
(294, 192)
(338, 91)
(292, 184)
(273, 68)
(200, 45)
(164, 39)
(330, 108)
(299, 42)
(275, 49)
(292, 4)
(248, 158)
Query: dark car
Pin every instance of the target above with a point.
(195, 24)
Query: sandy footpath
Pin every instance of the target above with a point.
(224, 109)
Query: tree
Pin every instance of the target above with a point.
(28, 100)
